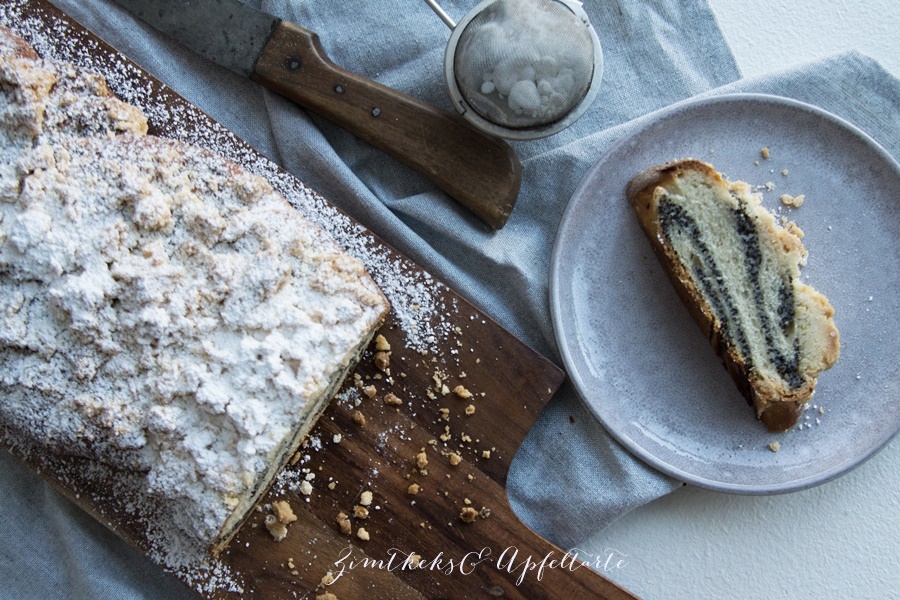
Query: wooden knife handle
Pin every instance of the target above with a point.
(479, 171)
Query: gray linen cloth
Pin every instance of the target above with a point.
(569, 480)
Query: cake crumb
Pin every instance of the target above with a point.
(392, 399)
(306, 488)
(327, 579)
(470, 410)
(326, 596)
(343, 522)
(382, 360)
(413, 489)
(362, 534)
(358, 418)
(770, 186)
(462, 392)
(365, 498)
(485, 512)
(784, 172)
(486, 454)
(381, 344)
(415, 560)
(283, 512)
(765, 153)
(468, 514)
(455, 459)
(276, 528)
(370, 391)
(360, 512)
(796, 201)
(421, 459)
(774, 446)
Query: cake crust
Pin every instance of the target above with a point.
(777, 404)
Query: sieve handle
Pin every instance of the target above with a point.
(479, 171)
(439, 11)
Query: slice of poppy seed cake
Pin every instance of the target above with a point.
(738, 272)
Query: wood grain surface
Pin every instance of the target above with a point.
(495, 556)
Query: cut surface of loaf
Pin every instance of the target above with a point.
(738, 272)
(162, 311)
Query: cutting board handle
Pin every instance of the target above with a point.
(533, 567)
(479, 171)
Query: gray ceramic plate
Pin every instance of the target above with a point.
(642, 365)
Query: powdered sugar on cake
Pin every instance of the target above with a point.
(415, 296)
(163, 311)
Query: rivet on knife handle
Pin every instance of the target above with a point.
(481, 172)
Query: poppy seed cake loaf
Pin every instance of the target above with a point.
(163, 311)
(738, 273)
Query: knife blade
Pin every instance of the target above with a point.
(233, 37)
(479, 171)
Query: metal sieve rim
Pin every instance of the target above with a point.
(525, 133)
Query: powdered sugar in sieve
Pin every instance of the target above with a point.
(522, 69)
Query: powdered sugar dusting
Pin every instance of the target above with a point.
(415, 296)
(102, 486)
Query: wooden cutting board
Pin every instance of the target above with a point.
(449, 344)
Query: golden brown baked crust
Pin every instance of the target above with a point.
(777, 405)
(13, 46)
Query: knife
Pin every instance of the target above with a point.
(479, 171)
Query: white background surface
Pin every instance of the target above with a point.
(841, 539)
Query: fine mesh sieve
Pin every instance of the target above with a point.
(522, 69)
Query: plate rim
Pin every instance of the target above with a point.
(565, 351)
